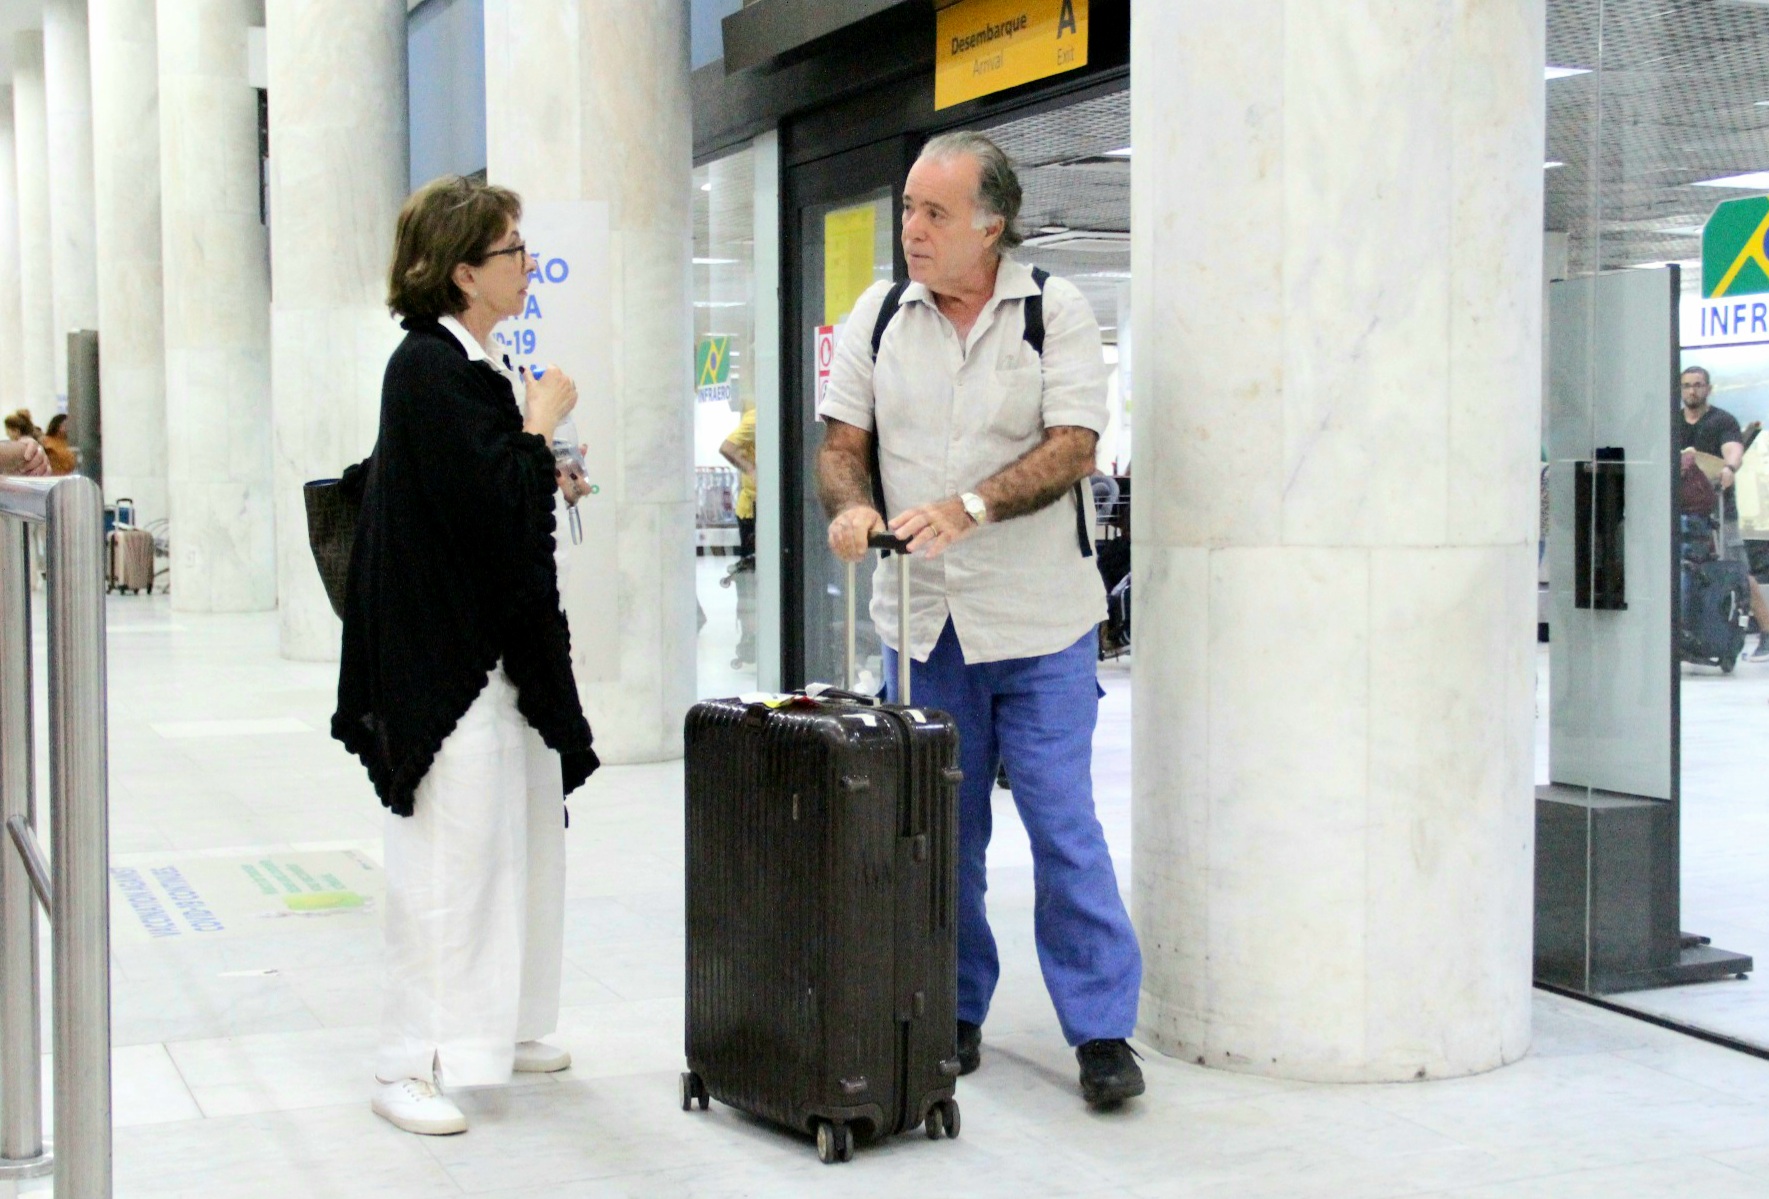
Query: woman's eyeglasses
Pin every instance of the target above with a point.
(520, 249)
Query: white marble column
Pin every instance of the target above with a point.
(216, 268)
(12, 366)
(1336, 222)
(131, 315)
(337, 178)
(67, 72)
(588, 100)
(35, 279)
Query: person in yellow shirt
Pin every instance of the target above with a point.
(739, 450)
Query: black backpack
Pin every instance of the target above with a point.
(1034, 310)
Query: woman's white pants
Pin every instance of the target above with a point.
(475, 920)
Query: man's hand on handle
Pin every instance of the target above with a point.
(850, 529)
(932, 529)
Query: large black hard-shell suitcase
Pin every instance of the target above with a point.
(822, 843)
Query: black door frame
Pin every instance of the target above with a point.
(837, 151)
(825, 180)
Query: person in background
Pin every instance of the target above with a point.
(23, 456)
(19, 425)
(739, 450)
(455, 686)
(1710, 430)
(20, 453)
(55, 444)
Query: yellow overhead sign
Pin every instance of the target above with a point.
(988, 45)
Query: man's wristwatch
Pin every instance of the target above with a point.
(975, 507)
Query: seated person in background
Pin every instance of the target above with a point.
(19, 425)
(23, 457)
(19, 453)
(55, 444)
(1711, 430)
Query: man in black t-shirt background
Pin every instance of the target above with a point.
(1715, 431)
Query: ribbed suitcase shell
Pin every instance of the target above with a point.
(130, 560)
(821, 880)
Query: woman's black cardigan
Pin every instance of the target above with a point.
(452, 570)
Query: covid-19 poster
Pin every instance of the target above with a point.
(567, 322)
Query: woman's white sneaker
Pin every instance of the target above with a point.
(538, 1057)
(416, 1105)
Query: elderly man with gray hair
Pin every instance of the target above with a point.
(966, 404)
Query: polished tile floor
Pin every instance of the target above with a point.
(243, 1056)
(1725, 849)
(1725, 841)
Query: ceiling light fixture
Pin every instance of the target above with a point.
(714, 261)
(1121, 152)
(1548, 166)
(1754, 180)
(1554, 72)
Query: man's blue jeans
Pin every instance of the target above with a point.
(1037, 715)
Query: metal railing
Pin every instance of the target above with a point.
(72, 883)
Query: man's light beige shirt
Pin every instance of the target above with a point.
(949, 413)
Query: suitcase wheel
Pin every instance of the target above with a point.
(694, 1091)
(835, 1142)
(942, 1119)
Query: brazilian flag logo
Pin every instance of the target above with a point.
(1733, 262)
(711, 366)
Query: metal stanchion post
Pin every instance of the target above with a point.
(851, 680)
(22, 1151)
(903, 658)
(79, 831)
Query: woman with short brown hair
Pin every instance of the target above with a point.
(455, 687)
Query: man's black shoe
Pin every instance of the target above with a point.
(1109, 1073)
(970, 1046)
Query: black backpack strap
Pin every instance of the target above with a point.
(892, 301)
(1082, 533)
(1034, 310)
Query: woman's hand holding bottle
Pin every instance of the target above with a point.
(551, 396)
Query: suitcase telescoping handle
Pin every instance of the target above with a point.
(887, 544)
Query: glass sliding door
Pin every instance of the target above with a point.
(841, 222)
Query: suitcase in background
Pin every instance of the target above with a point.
(1713, 592)
(822, 848)
(1715, 603)
(129, 561)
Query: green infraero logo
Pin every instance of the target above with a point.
(1733, 262)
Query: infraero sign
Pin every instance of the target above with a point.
(1734, 308)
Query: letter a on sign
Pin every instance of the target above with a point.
(1067, 19)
